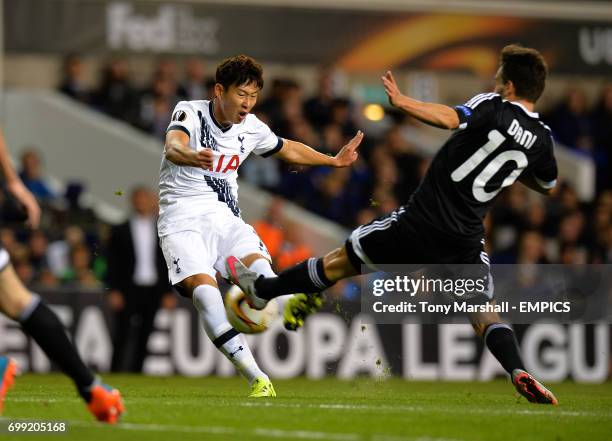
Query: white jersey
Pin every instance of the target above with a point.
(187, 192)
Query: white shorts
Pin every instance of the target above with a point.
(207, 243)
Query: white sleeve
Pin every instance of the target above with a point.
(267, 142)
(183, 118)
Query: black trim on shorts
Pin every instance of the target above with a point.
(353, 257)
(181, 291)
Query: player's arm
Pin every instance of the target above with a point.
(542, 177)
(300, 154)
(437, 115)
(15, 186)
(530, 181)
(177, 150)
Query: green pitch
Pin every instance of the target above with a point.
(169, 409)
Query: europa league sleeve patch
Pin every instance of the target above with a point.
(179, 115)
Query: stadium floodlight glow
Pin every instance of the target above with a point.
(373, 112)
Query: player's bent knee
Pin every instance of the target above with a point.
(185, 287)
(251, 258)
(14, 296)
(481, 320)
(337, 265)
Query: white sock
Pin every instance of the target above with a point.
(262, 267)
(207, 300)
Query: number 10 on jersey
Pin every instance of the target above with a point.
(496, 139)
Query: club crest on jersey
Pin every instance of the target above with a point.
(241, 139)
(179, 115)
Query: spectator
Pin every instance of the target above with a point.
(166, 69)
(193, 87)
(38, 245)
(293, 249)
(32, 176)
(79, 272)
(137, 279)
(318, 108)
(23, 267)
(570, 121)
(602, 134)
(72, 83)
(407, 161)
(270, 230)
(531, 248)
(156, 106)
(59, 252)
(341, 113)
(116, 97)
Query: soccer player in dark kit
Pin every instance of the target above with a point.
(497, 139)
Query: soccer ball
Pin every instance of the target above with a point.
(245, 319)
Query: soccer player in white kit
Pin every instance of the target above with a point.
(199, 223)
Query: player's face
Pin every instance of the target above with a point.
(237, 101)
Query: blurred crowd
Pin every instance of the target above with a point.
(148, 108)
(71, 248)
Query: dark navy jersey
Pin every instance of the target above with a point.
(496, 142)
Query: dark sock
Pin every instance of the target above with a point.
(501, 341)
(305, 277)
(46, 329)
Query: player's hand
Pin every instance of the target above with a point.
(391, 89)
(348, 153)
(204, 158)
(27, 199)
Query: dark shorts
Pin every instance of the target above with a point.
(399, 238)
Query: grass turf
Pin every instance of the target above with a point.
(177, 408)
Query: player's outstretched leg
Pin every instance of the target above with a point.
(40, 323)
(295, 307)
(8, 370)
(501, 341)
(311, 276)
(207, 300)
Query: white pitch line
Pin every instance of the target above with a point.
(551, 411)
(402, 409)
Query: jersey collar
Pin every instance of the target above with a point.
(214, 120)
(531, 114)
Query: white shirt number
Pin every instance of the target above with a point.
(478, 187)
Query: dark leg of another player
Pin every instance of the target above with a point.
(38, 321)
(501, 341)
(499, 338)
(45, 328)
(311, 276)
